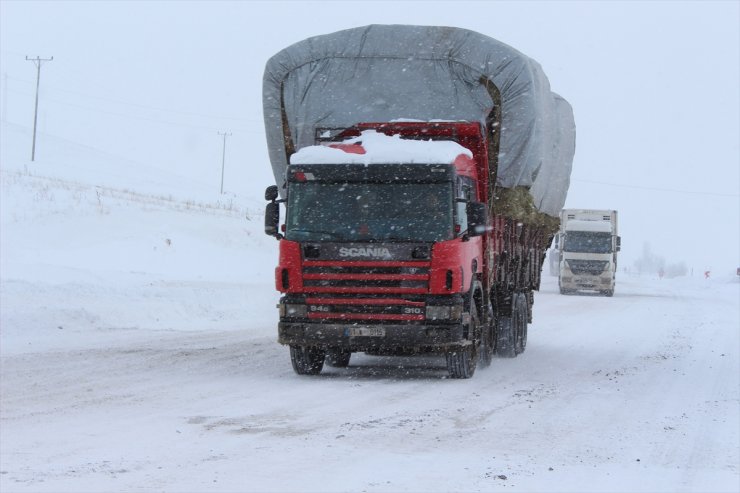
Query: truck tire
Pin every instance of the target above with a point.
(461, 361)
(338, 358)
(505, 337)
(307, 360)
(487, 345)
(522, 320)
(608, 292)
(510, 340)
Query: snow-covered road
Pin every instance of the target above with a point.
(138, 353)
(634, 393)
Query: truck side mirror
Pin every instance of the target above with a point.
(271, 193)
(477, 218)
(619, 243)
(272, 219)
(562, 238)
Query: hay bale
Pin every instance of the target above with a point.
(517, 203)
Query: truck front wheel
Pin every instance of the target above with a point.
(307, 360)
(461, 361)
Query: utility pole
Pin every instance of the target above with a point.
(36, 61)
(223, 159)
(5, 97)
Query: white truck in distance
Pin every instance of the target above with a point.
(588, 246)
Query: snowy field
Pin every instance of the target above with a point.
(138, 353)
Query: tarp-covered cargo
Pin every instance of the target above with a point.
(382, 73)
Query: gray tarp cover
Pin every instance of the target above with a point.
(382, 73)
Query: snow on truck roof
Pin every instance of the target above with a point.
(586, 225)
(377, 148)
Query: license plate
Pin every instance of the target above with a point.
(366, 332)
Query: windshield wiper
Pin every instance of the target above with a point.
(316, 231)
(397, 238)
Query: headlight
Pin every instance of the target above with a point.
(444, 312)
(293, 311)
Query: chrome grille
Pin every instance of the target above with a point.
(591, 267)
(397, 278)
(366, 292)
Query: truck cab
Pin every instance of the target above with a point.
(588, 244)
(380, 256)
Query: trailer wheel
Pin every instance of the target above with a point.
(508, 338)
(487, 345)
(505, 337)
(461, 361)
(608, 292)
(307, 360)
(522, 320)
(338, 358)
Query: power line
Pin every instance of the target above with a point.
(695, 192)
(135, 117)
(5, 97)
(144, 106)
(37, 62)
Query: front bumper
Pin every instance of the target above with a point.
(431, 338)
(603, 282)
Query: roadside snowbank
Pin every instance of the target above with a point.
(138, 353)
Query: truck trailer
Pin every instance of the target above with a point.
(419, 175)
(588, 244)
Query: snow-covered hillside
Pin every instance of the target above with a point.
(138, 353)
(90, 241)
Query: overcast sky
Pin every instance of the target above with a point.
(654, 86)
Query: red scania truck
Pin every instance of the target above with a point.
(421, 187)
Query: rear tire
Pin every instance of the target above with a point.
(487, 346)
(505, 337)
(522, 310)
(511, 333)
(307, 360)
(338, 358)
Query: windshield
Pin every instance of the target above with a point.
(587, 242)
(369, 212)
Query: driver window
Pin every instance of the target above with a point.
(463, 191)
